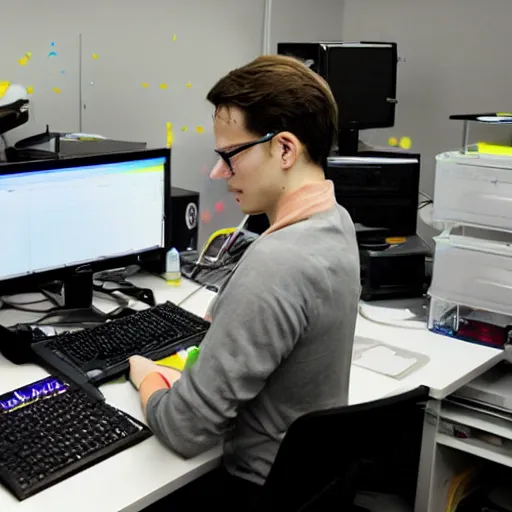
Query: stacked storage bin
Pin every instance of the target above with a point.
(471, 290)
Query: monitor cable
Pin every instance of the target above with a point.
(25, 305)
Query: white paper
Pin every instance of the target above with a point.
(384, 360)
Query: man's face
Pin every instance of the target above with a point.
(256, 176)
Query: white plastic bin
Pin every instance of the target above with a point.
(474, 272)
(474, 190)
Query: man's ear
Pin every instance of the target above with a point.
(289, 149)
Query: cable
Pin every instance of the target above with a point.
(25, 305)
(399, 323)
(8, 300)
(182, 301)
(422, 204)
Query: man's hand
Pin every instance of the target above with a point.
(141, 367)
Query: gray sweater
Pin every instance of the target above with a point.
(279, 346)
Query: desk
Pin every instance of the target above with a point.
(453, 363)
(145, 473)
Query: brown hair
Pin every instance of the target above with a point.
(279, 93)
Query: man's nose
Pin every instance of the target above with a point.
(220, 171)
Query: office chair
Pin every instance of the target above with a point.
(327, 456)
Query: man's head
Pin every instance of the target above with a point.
(288, 114)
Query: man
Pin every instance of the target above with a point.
(282, 327)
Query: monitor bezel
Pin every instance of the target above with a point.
(151, 259)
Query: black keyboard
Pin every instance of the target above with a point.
(50, 430)
(101, 353)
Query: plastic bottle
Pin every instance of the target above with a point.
(172, 267)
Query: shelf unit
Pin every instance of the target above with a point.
(489, 440)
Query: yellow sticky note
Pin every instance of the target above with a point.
(189, 85)
(393, 141)
(405, 143)
(95, 56)
(56, 90)
(174, 361)
(184, 128)
(174, 37)
(30, 90)
(169, 135)
(3, 88)
(199, 129)
(23, 61)
(145, 85)
(163, 86)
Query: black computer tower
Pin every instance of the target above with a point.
(184, 218)
(378, 191)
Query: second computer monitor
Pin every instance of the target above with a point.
(103, 211)
(362, 76)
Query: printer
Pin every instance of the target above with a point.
(49, 145)
(14, 112)
(380, 192)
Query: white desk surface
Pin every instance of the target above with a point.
(147, 472)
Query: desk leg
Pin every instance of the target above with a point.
(425, 492)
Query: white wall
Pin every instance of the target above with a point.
(306, 20)
(457, 60)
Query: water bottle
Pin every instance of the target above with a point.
(172, 267)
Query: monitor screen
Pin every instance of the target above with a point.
(80, 211)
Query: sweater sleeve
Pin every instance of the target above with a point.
(259, 316)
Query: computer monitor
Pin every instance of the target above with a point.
(104, 211)
(362, 76)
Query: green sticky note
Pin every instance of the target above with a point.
(192, 355)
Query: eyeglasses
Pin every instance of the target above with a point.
(229, 154)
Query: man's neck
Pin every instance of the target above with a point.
(313, 198)
(310, 176)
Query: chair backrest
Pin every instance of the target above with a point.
(326, 456)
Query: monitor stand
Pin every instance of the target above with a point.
(73, 301)
(348, 142)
